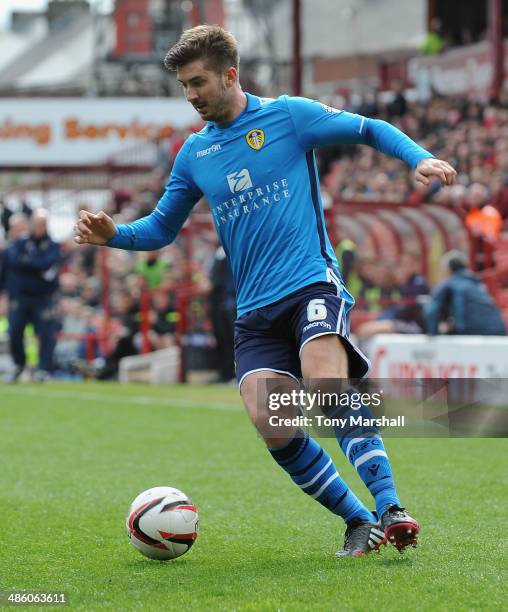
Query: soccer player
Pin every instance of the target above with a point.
(254, 162)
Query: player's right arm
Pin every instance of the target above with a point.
(153, 231)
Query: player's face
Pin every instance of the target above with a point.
(206, 89)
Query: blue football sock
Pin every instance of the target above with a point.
(369, 458)
(311, 468)
(365, 450)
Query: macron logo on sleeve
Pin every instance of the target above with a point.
(239, 181)
(330, 109)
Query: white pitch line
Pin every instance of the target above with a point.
(143, 400)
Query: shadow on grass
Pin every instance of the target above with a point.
(397, 560)
(273, 566)
(148, 564)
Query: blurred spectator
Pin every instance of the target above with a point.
(163, 321)
(152, 267)
(485, 222)
(370, 105)
(378, 284)
(223, 314)
(90, 293)
(30, 279)
(19, 226)
(4, 321)
(25, 207)
(461, 304)
(477, 196)
(70, 285)
(121, 197)
(163, 153)
(74, 325)
(123, 331)
(499, 190)
(398, 106)
(413, 285)
(347, 255)
(434, 42)
(405, 316)
(5, 214)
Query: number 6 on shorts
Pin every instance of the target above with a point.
(316, 310)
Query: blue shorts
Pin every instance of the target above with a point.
(272, 337)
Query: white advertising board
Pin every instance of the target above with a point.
(463, 70)
(418, 356)
(85, 131)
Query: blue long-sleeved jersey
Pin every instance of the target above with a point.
(259, 176)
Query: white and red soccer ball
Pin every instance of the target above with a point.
(162, 523)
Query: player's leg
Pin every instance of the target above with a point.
(328, 359)
(308, 464)
(325, 367)
(265, 342)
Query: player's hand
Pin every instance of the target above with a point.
(429, 168)
(94, 229)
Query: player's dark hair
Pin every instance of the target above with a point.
(211, 43)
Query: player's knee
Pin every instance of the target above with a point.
(329, 371)
(259, 417)
(274, 435)
(248, 391)
(325, 357)
(322, 379)
(251, 401)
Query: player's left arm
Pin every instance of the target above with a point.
(390, 140)
(157, 229)
(317, 125)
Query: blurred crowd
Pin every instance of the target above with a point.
(107, 303)
(100, 305)
(471, 136)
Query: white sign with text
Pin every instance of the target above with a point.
(86, 131)
(418, 356)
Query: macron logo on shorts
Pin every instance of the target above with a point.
(239, 181)
(317, 324)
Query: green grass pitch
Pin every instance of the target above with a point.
(73, 456)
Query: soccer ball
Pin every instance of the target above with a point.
(162, 523)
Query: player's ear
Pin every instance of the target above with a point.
(231, 76)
